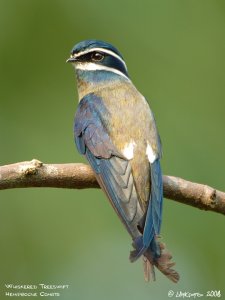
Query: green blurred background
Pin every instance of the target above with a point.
(175, 52)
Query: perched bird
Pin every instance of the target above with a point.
(116, 131)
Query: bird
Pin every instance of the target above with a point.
(115, 130)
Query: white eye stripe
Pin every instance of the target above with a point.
(102, 50)
(94, 67)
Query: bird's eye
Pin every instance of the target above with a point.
(97, 56)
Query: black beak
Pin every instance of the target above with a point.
(71, 59)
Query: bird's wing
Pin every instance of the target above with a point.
(154, 213)
(152, 224)
(112, 169)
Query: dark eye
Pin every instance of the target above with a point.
(97, 56)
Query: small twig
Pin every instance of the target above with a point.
(79, 176)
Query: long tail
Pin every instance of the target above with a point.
(164, 264)
(157, 255)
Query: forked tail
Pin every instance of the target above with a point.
(157, 255)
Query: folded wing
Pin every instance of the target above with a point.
(113, 171)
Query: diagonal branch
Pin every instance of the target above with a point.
(79, 176)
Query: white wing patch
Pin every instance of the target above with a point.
(150, 153)
(128, 150)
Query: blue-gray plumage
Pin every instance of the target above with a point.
(116, 131)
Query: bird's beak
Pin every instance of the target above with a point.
(71, 59)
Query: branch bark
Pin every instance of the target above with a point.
(79, 176)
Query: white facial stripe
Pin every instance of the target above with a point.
(151, 154)
(94, 67)
(102, 50)
(128, 150)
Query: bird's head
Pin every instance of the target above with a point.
(99, 57)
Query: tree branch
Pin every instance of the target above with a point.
(79, 176)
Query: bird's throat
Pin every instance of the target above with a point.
(93, 81)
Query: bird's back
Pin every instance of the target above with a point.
(130, 128)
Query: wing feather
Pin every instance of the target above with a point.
(113, 170)
(154, 212)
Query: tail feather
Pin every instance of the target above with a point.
(151, 258)
(139, 249)
(149, 270)
(164, 264)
